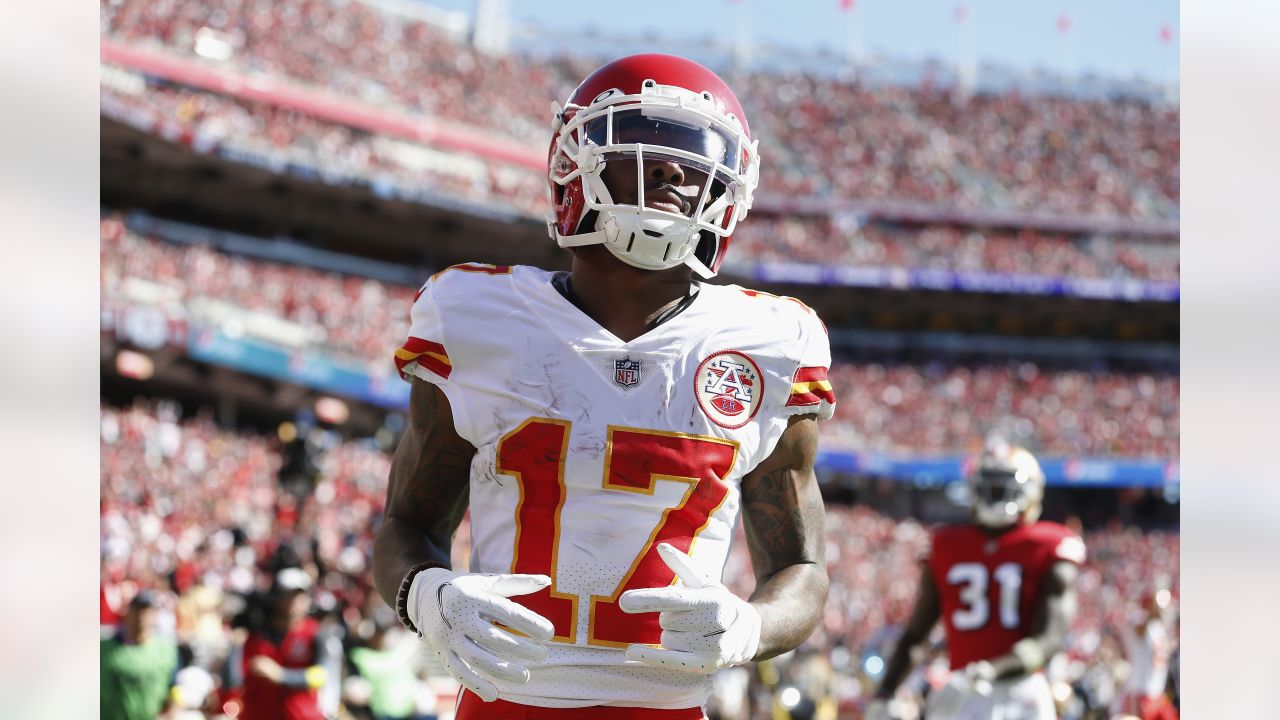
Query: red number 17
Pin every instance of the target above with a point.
(635, 460)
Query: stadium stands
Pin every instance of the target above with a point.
(195, 512)
(822, 137)
(951, 247)
(896, 408)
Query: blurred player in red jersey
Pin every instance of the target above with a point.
(607, 426)
(1004, 587)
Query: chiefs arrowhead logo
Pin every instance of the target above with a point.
(729, 388)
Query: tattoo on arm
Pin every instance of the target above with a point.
(777, 521)
(783, 517)
(427, 492)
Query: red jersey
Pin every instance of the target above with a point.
(266, 700)
(988, 584)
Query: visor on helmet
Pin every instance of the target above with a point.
(706, 145)
(996, 486)
(710, 186)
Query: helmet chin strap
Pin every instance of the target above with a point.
(635, 238)
(645, 242)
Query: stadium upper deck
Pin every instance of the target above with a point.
(823, 137)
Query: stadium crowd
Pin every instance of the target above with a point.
(198, 516)
(939, 408)
(825, 137)
(353, 317)
(280, 138)
(848, 242)
(1070, 412)
(287, 136)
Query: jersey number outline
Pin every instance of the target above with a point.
(976, 605)
(635, 460)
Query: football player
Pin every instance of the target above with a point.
(607, 425)
(1004, 588)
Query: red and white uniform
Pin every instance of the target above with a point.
(591, 451)
(1148, 649)
(264, 699)
(989, 585)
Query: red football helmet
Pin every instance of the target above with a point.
(647, 107)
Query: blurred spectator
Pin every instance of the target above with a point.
(1148, 649)
(137, 666)
(284, 655)
(387, 664)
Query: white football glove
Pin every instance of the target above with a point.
(704, 626)
(454, 613)
(950, 699)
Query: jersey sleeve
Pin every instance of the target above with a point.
(811, 390)
(458, 342)
(1069, 547)
(423, 354)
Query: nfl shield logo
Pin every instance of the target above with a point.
(626, 372)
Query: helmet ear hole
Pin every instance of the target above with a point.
(708, 245)
(588, 222)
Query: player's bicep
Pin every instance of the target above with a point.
(430, 471)
(1057, 603)
(782, 505)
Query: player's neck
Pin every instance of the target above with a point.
(623, 299)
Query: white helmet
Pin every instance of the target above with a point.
(1006, 487)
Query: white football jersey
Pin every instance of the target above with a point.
(591, 451)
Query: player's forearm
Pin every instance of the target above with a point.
(790, 606)
(398, 547)
(1049, 630)
(308, 678)
(923, 617)
(1012, 665)
(1034, 652)
(897, 667)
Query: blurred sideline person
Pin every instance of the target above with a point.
(1148, 649)
(606, 426)
(283, 658)
(1004, 587)
(137, 668)
(389, 667)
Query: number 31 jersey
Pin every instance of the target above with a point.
(592, 451)
(989, 584)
